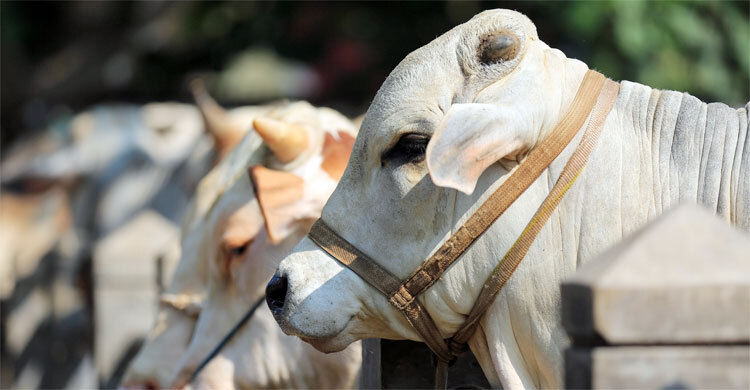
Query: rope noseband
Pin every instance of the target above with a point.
(593, 101)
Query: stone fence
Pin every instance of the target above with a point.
(131, 265)
(668, 308)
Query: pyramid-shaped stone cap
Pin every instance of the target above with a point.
(683, 278)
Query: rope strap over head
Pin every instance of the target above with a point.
(383, 281)
(570, 173)
(595, 96)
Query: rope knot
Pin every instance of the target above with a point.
(456, 348)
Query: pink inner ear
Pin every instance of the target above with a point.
(336, 154)
(470, 138)
(276, 190)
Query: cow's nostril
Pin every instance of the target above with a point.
(276, 293)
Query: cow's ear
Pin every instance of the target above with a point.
(470, 138)
(278, 195)
(336, 152)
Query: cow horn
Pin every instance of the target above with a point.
(286, 140)
(225, 133)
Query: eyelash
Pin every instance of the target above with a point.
(229, 254)
(239, 250)
(415, 148)
(410, 148)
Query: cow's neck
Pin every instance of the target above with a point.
(519, 343)
(692, 151)
(657, 149)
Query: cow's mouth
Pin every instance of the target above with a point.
(325, 344)
(335, 342)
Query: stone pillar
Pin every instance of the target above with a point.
(668, 307)
(126, 288)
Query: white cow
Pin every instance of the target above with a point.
(30, 226)
(79, 180)
(232, 242)
(119, 159)
(442, 134)
(156, 363)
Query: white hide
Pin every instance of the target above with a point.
(126, 158)
(657, 148)
(178, 341)
(260, 355)
(157, 361)
(30, 227)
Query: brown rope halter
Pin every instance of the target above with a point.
(595, 96)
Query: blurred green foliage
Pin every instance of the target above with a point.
(75, 54)
(703, 47)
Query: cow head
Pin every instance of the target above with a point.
(441, 134)
(255, 223)
(233, 239)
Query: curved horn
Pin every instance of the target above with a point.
(286, 140)
(225, 133)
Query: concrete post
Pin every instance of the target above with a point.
(668, 307)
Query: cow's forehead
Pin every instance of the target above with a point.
(445, 71)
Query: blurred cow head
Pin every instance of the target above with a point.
(233, 240)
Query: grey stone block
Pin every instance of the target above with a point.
(128, 255)
(126, 286)
(684, 278)
(658, 367)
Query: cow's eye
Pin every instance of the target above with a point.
(238, 250)
(410, 148)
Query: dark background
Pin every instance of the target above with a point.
(62, 57)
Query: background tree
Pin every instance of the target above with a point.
(61, 57)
